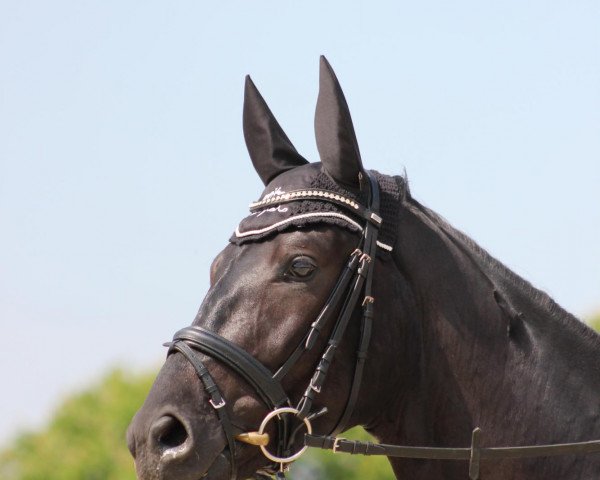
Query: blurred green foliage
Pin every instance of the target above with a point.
(86, 440)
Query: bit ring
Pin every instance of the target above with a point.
(264, 424)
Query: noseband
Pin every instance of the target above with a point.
(353, 285)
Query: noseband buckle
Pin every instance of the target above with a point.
(216, 406)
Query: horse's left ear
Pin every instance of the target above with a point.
(336, 140)
(269, 147)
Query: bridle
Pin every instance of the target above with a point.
(354, 285)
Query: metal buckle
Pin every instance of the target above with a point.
(216, 406)
(376, 218)
(314, 387)
(368, 299)
(336, 444)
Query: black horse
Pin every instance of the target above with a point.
(458, 340)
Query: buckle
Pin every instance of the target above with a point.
(336, 444)
(368, 299)
(376, 218)
(314, 387)
(216, 406)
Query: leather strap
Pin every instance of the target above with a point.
(474, 454)
(216, 398)
(310, 338)
(318, 378)
(254, 372)
(371, 233)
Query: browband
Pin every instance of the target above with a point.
(367, 214)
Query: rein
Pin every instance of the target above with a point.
(474, 454)
(354, 285)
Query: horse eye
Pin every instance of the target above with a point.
(301, 267)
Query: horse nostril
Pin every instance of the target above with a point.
(168, 432)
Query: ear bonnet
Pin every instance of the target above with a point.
(339, 177)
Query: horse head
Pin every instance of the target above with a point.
(333, 262)
(271, 289)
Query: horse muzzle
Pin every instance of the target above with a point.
(169, 448)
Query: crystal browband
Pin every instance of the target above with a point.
(312, 194)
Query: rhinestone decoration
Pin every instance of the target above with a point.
(305, 193)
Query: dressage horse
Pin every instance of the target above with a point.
(340, 300)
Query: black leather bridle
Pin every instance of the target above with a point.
(353, 285)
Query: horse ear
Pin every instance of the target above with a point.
(336, 140)
(269, 147)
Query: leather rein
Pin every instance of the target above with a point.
(354, 282)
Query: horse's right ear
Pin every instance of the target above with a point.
(269, 147)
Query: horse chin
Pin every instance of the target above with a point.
(221, 470)
(263, 474)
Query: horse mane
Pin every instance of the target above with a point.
(519, 292)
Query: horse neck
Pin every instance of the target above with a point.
(489, 355)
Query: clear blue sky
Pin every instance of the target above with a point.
(123, 168)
